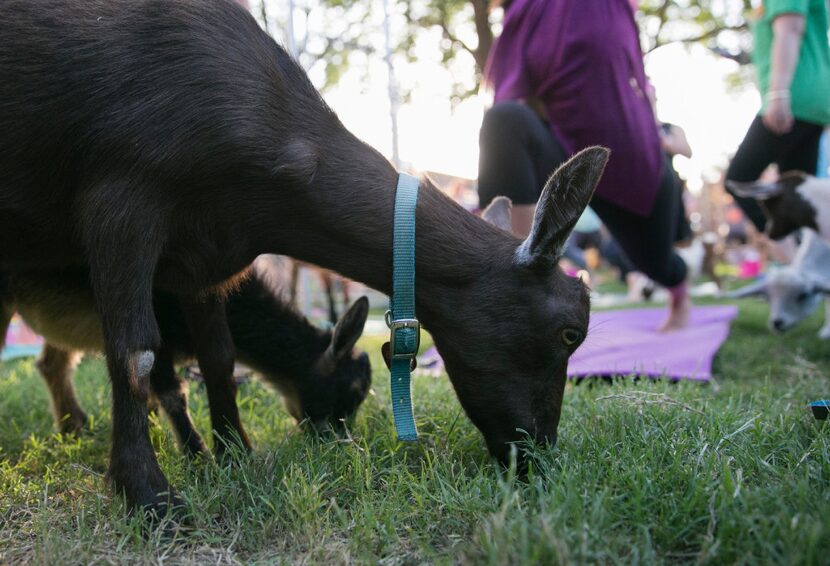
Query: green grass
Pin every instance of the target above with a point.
(736, 471)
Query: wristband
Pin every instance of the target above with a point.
(777, 95)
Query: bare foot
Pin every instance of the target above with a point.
(680, 305)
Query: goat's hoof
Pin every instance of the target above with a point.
(148, 495)
(231, 454)
(231, 447)
(168, 517)
(72, 423)
(196, 449)
(165, 513)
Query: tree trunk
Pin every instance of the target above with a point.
(481, 14)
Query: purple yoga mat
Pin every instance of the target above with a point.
(625, 342)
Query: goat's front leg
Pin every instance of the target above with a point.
(213, 345)
(171, 392)
(122, 254)
(57, 366)
(824, 333)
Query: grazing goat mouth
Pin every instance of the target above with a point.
(780, 327)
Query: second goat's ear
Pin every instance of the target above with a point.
(349, 328)
(499, 213)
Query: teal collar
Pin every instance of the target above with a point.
(405, 330)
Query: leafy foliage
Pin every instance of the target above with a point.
(334, 31)
(719, 24)
(465, 26)
(331, 35)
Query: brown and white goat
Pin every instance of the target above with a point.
(165, 144)
(322, 377)
(796, 200)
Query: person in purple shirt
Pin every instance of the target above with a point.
(568, 74)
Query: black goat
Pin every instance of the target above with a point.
(322, 377)
(165, 144)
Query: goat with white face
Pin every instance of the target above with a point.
(794, 292)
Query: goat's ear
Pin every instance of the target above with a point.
(757, 190)
(564, 198)
(757, 288)
(499, 214)
(349, 329)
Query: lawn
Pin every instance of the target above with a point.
(736, 471)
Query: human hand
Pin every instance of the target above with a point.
(674, 142)
(778, 116)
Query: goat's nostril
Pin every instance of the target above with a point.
(778, 325)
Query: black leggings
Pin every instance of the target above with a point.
(796, 150)
(519, 153)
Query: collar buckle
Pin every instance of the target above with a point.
(408, 348)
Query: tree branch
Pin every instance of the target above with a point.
(661, 15)
(452, 37)
(714, 32)
(481, 18)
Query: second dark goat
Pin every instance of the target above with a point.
(320, 374)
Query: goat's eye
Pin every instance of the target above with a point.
(802, 297)
(571, 336)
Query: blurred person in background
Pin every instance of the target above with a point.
(568, 74)
(792, 60)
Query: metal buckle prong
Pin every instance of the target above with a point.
(394, 326)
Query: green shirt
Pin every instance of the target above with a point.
(811, 84)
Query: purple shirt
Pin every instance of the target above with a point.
(582, 59)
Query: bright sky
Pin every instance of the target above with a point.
(692, 92)
(691, 87)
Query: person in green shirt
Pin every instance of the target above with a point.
(792, 59)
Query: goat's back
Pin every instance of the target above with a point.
(164, 100)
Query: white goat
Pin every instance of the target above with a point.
(794, 292)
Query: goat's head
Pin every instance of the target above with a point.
(341, 377)
(786, 207)
(793, 295)
(506, 345)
